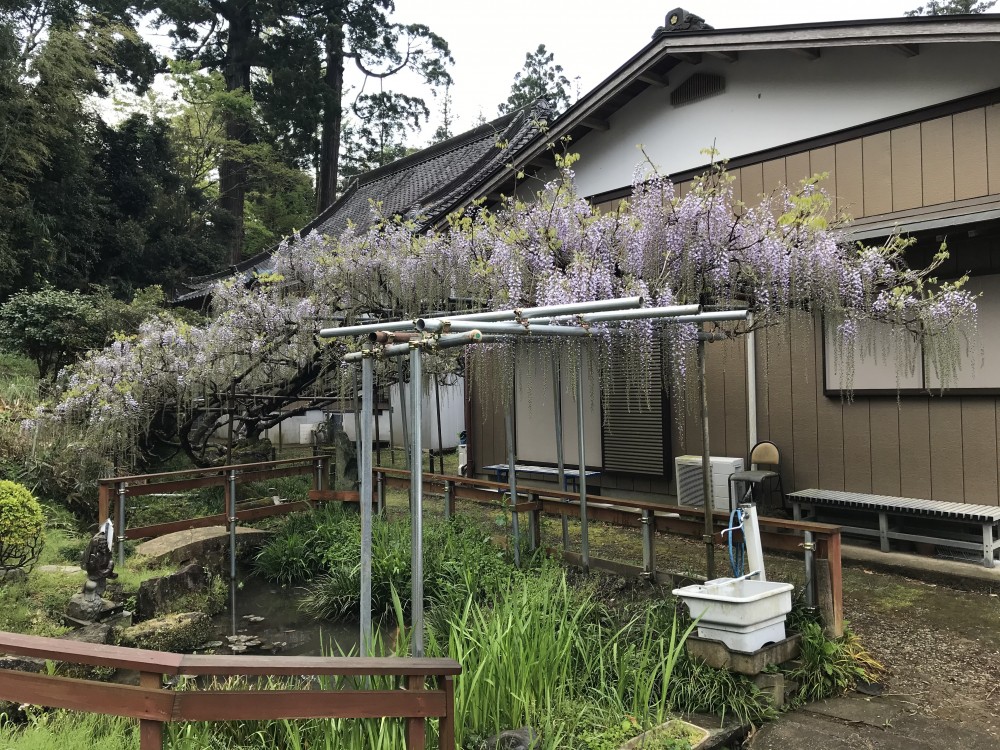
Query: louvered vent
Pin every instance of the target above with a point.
(634, 427)
(697, 87)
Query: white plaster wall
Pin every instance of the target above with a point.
(452, 417)
(291, 429)
(776, 97)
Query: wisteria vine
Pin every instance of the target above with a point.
(782, 256)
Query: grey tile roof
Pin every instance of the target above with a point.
(426, 185)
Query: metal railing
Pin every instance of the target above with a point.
(818, 543)
(154, 706)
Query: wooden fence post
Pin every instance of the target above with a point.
(103, 502)
(830, 583)
(415, 726)
(446, 729)
(150, 732)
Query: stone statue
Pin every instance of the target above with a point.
(99, 564)
(89, 605)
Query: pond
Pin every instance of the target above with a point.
(266, 619)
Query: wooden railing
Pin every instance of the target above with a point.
(154, 706)
(818, 542)
(118, 489)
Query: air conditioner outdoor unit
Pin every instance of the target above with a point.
(687, 470)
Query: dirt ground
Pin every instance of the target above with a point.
(940, 644)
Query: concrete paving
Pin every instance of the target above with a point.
(856, 722)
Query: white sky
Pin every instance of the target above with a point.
(589, 39)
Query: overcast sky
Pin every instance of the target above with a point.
(589, 39)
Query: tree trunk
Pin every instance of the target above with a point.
(233, 169)
(333, 79)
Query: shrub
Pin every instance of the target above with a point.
(21, 527)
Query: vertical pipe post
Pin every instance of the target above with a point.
(557, 409)
(378, 431)
(357, 424)
(449, 499)
(810, 550)
(365, 473)
(380, 491)
(581, 445)
(648, 540)
(706, 470)
(405, 416)
(512, 479)
(437, 408)
(751, 352)
(121, 524)
(392, 429)
(232, 524)
(416, 505)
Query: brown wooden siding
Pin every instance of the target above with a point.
(930, 447)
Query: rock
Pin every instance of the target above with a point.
(210, 644)
(179, 632)
(22, 664)
(156, 594)
(66, 570)
(524, 738)
(94, 633)
(253, 618)
(208, 546)
(87, 608)
(15, 575)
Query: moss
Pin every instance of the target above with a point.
(180, 632)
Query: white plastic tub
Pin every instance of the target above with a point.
(744, 614)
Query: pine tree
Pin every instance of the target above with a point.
(540, 78)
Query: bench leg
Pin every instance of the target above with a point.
(883, 532)
(796, 511)
(988, 545)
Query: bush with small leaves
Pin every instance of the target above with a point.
(21, 528)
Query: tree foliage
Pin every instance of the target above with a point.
(173, 380)
(952, 8)
(21, 527)
(289, 60)
(541, 78)
(54, 328)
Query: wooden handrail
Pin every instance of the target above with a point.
(154, 706)
(145, 478)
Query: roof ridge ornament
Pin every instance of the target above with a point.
(681, 20)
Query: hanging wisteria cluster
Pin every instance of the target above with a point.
(702, 247)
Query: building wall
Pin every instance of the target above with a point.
(940, 447)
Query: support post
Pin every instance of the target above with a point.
(416, 510)
(404, 415)
(557, 409)
(231, 498)
(446, 729)
(415, 726)
(150, 732)
(437, 414)
(809, 548)
(706, 469)
(648, 544)
(512, 479)
(829, 584)
(380, 491)
(584, 530)
(365, 473)
(535, 522)
(121, 524)
(449, 500)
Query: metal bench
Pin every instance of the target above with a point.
(928, 521)
(571, 477)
